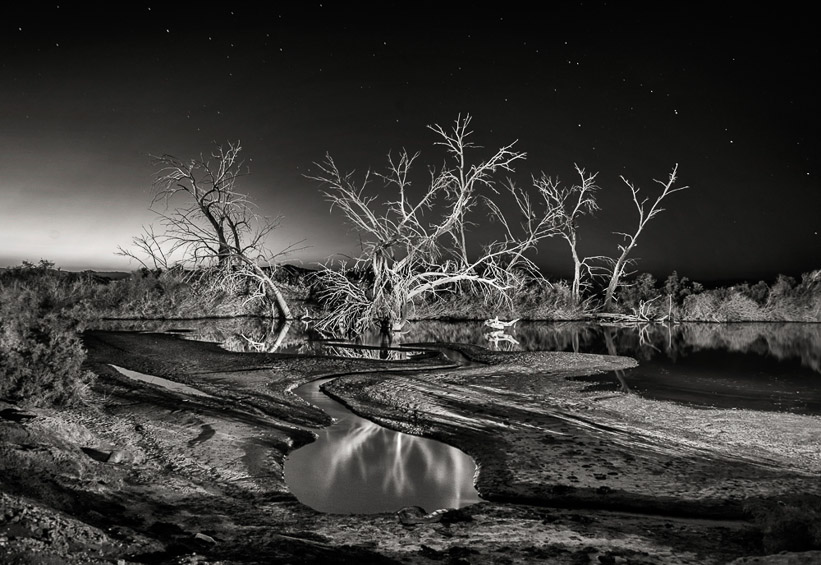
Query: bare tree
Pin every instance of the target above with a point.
(149, 245)
(537, 220)
(645, 215)
(208, 222)
(462, 180)
(215, 222)
(414, 243)
(569, 204)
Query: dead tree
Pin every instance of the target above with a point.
(537, 221)
(414, 242)
(569, 204)
(645, 215)
(148, 247)
(208, 222)
(462, 180)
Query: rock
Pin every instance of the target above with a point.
(206, 538)
(454, 515)
(96, 454)
(410, 515)
(431, 553)
(116, 456)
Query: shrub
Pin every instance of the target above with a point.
(722, 305)
(757, 292)
(796, 302)
(177, 293)
(700, 308)
(738, 307)
(534, 300)
(41, 355)
(548, 302)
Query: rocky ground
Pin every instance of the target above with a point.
(143, 474)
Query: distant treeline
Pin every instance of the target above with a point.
(784, 300)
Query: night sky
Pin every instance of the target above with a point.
(88, 93)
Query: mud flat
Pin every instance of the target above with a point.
(145, 474)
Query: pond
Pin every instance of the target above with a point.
(773, 367)
(357, 466)
(759, 366)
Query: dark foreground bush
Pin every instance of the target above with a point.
(41, 355)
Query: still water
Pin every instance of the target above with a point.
(357, 466)
(758, 366)
(772, 367)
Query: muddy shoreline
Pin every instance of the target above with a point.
(146, 475)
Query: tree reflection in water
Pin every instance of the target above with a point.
(782, 341)
(770, 366)
(760, 366)
(357, 466)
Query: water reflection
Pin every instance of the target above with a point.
(767, 366)
(356, 466)
(782, 341)
(359, 351)
(760, 366)
(772, 367)
(500, 340)
(240, 334)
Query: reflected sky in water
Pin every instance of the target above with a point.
(356, 466)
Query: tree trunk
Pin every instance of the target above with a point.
(611, 287)
(281, 306)
(577, 272)
(614, 280)
(278, 305)
(281, 333)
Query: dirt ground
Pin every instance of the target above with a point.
(143, 474)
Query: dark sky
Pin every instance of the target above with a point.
(88, 93)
